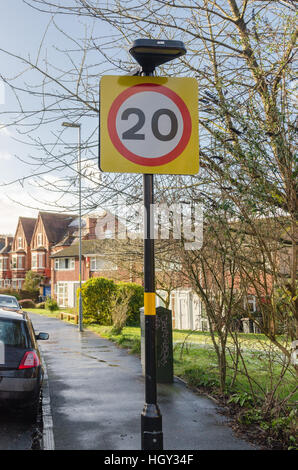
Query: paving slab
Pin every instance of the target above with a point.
(96, 392)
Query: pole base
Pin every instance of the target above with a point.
(80, 313)
(151, 428)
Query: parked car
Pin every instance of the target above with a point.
(21, 370)
(9, 301)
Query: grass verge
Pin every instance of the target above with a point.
(195, 361)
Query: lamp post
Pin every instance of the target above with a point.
(78, 126)
(150, 53)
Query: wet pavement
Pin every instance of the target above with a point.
(16, 433)
(97, 395)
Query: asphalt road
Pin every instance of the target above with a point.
(96, 395)
(18, 434)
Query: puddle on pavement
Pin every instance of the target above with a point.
(71, 351)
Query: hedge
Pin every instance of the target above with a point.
(22, 294)
(10, 292)
(27, 303)
(97, 294)
(135, 303)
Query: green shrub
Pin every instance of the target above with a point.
(27, 303)
(40, 305)
(136, 301)
(51, 305)
(97, 294)
(32, 281)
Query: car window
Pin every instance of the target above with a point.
(14, 333)
(6, 301)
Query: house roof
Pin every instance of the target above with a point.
(68, 239)
(2, 243)
(6, 246)
(28, 225)
(89, 247)
(55, 225)
(6, 249)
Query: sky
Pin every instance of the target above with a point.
(21, 31)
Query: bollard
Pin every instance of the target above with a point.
(164, 344)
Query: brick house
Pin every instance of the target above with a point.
(36, 239)
(65, 269)
(20, 254)
(5, 269)
(50, 228)
(15, 255)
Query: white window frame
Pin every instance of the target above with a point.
(62, 294)
(20, 242)
(6, 282)
(4, 264)
(38, 261)
(20, 262)
(251, 301)
(14, 262)
(34, 261)
(41, 260)
(61, 262)
(39, 239)
(105, 265)
(93, 261)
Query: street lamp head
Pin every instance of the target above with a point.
(150, 53)
(70, 124)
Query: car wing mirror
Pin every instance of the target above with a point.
(42, 336)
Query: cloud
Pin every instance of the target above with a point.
(5, 156)
(10, 213)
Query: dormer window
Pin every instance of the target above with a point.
(39, 239)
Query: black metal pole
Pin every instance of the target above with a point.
(151, 419)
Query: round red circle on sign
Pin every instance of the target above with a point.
(155, 161)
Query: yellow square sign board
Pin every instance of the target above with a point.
(149, 125)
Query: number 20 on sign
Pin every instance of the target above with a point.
(149, 125)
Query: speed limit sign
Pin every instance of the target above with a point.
(149, 125)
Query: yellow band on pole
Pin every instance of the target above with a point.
(149, 303)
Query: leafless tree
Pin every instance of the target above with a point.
(242, 53)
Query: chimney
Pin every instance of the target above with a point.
(90, 228)
(8, 240)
